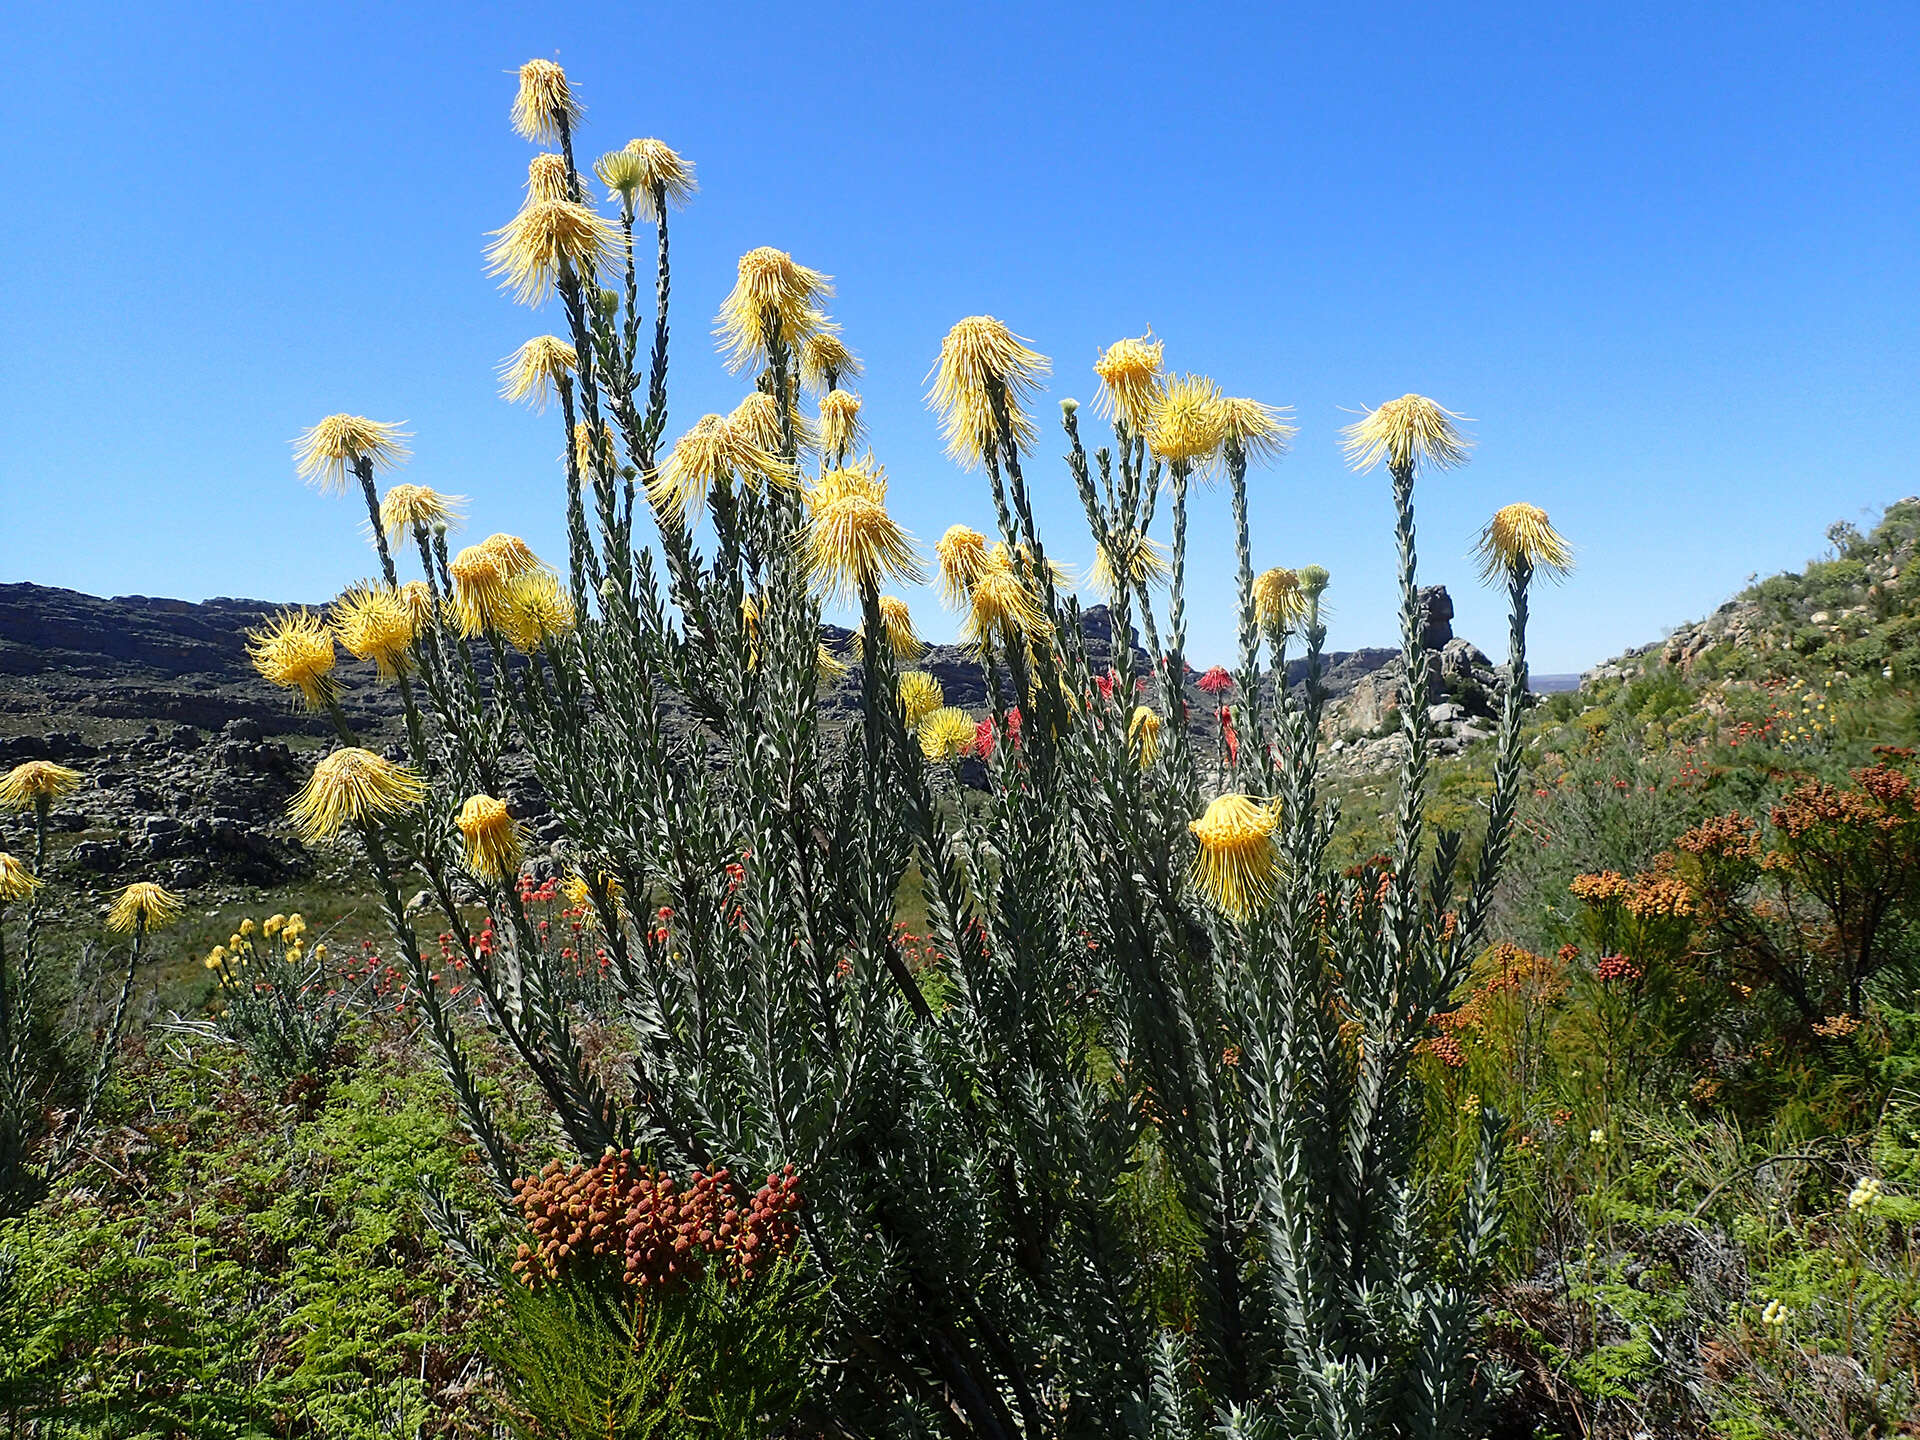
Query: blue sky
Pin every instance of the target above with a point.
(1663, 255)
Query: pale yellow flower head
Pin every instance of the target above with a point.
(1519, 538)
(33, 783)
(827, 666)
(1278, 601)
(1261, 431)
(920, 696)
(712, 453)
(945, 734)
(825, 359)
(479, 597)
(548, 178)
(17, 882)
(294, 651)
(493, 846)
(547, 241)
(1000, 606)
(896, 623)
(962, 552)
(535, 372)
(1130, 383)
(1189, 423)
(1128, 558)
(537, 609)
(980, 355)
(840, 427)
(407, 507)
(324, 456)
(591, 459)
(1235, 867)
(850, 539)
(418, 598)
(376, 623)
(644, 173)
(353, 786)
(143, 906)
(1143, 730)
(516, 557)
(544, 109)
(756, 420)
(769, 285)
(1406, 433)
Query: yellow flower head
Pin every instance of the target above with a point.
(272, 925)
(579, 895)
(920, 696)
(535, 372)
(143, 905)
(325, 455)
(963, 556)
(1259, 430)
(545, 108)
(1314, 580)
(1020, 559)
(375, 622)
(896, 623)
(1277, 598)
(549, 239)
(1144, 731)
(17, 882)
(709, 454)
(417, 507)
(294, 651)
(353, 785)
(769, 286)
(537, 609)
(418, 599)
(1236, 866)
(548, 178)
(1406, 433)
(1128, 558)
(479, 589)
(981, 354)
(1519, 538)
(850, 539)
(645, 174)
(493, 846)
(825, 359)
(516, 557)
(1002, 607)
(756, 421)
(34, 783)
(840, 427)
(1189, 423)
(827, 666)
(590, 459)
(945, 734)
(1129, 372)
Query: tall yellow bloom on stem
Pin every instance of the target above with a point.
(1517, 538)
(326, 454)
(979, 356)
(516, 557)
(537, 609)
(17, 882)
(551, 240)
(294, 651)
(33, 783)
(962, 552)
(534, 373)
(405, 508)
(840, 427)
(544, 109)
(480, 594)
(756, 420)
(709, 454)
(1130, 384)
(376, 623)
(143, 906)
(548, 178)
(1001, 606)
(1406, 433)
(1143, 730)
(769, 286)
(825, 360)
(896, 623)
(1278, 601)
(1128, 558)
(1235, 867)
(850, 540)
(644, 172)
(1189, 423)
(827, 666)
(945, 734)
(920, 696)
(1261, 431)
(494, 849)
(353, 786)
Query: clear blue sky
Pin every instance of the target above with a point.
(1663, 254)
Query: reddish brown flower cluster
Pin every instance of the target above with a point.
(653, 1232)
(1885, 801)
(1725, 837)
(1617, 969)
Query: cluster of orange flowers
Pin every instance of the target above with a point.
(1650, 895)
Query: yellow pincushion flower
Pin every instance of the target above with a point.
(143, 906)
(544, 109)
(1259, 430)
(535, 372)
(945, 734)
(1278, 600)
(1519, 537)
(769, 285)
(294, 651)
(709, 454)
(920, 696)
(756, 421)
(493, 846)
(353, 786)
(375, 622)
(827, 666)
(593, 459)
(840, 427)
(1236, 865)
(34, 783)
(825, 359)
(1189, 423)
(17, 882)
(1143, 730)
(537, 609)
(896, 623)
(405, 508)
(963, 556)
(979, 355)
(325, 455)
(1128, 558)
(514, 555)
(645, 173)
(1129, 372)
(418, 598)
(479, 589)
(1002, 607)
(549, 240)
(1406, 433)
(548, 178)
(850, 539)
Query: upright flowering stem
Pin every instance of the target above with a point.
(363, 471)
(103, 1065)
(1402, 904)
(1176, 658)
(1249, 624)
(1506, 772)
(581, 558)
